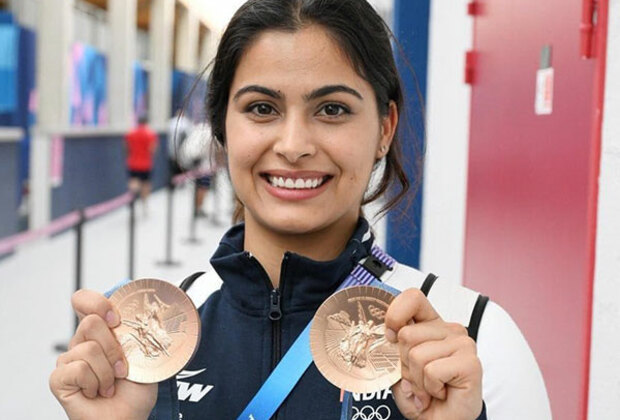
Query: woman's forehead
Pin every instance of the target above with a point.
(292, 59)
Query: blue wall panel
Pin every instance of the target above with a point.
(26, 116)
(9, 40)
(94, 171)
(411, 22)
(22, 114)
(89, 90)
(189, 93)
(9, 158)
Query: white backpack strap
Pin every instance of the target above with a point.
(199, 286)
(454, 303)
(403, 277)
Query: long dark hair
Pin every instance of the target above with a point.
(361, 34)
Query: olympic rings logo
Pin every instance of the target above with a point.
(368, 412)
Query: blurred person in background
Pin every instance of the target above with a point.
(193, 154)
(305, 99)
(140, 147)
(179, 129)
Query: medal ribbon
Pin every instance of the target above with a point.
(298, 358)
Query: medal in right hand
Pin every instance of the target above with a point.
(348, 344)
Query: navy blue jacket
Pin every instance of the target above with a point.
(247, 326)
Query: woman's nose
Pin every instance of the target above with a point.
(295, 140)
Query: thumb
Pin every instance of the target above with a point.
(87, 302)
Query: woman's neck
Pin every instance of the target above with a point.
(269, 246)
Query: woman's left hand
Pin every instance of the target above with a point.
(441, 373)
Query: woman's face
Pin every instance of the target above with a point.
(302, 133)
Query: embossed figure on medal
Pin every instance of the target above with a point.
(149, 332)
(360, 338)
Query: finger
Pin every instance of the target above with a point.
(415, 389)
(93, 328)
(74, 377)
(421, 355)
(92, 353)
(415, 334)
(87, 302)
(408, 404)
(460, 371)
(410, 304)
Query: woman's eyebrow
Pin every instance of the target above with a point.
(326, 90)
(259, 89)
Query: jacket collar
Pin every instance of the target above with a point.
(304, 283)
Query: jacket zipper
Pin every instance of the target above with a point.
(275, 314)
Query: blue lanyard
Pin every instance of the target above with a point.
(298, 358)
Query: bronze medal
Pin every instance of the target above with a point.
(348, 344)
(159, 330)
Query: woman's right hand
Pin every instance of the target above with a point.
(89, 379)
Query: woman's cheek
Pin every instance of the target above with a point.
(241, 154)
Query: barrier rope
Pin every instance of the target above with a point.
(62, 223)
(71, 219)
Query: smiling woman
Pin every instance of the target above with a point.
(303, 133)
(304, 99)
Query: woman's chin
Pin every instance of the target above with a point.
(295, 224)
(301, 220)
(294, 227)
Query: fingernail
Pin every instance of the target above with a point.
(109, 392)
(110, 318)
(418, 403)
(390, 335)
(405, 385)
(119, 369)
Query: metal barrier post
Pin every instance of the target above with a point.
(62, 347)
(192, 224)
(132, 235)
(168, 261)
(78, 256)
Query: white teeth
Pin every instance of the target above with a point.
(297, 184)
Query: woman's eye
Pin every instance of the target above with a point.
(261, 109)
(333, 110)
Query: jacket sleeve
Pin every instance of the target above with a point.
(512, 383)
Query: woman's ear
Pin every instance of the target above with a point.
(388, 129)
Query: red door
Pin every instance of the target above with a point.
(532, 188)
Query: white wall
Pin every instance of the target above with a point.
(25, 11)
(91, 26)
(217, 13)
(448, 103)
(605, 358)
(385, 9)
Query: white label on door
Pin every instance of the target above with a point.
(544, 91)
